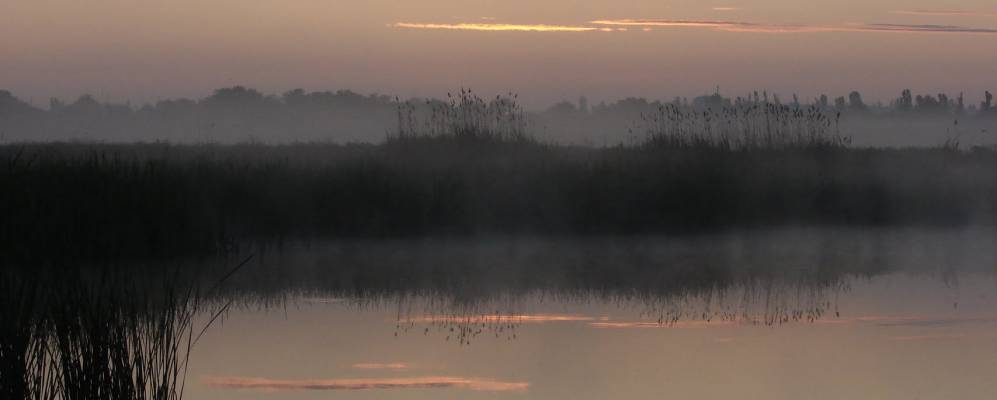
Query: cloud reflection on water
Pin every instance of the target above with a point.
(501, 318)
(422, 382)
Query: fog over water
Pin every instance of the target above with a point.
(239, 114)
(897, 309)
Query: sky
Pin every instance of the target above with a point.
(546, 51)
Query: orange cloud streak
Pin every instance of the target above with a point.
(614, 25)
(736, 26)
(425, 382)
(500, 27)
(729, 26)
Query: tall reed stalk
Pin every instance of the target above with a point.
(107, 334)
(745, 125)
(464, 116)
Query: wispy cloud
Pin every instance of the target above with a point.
(619, 25)
(946, 13)
(904, 28)
(397, 366)
(424, 382)
(728, 26)
(738, 26)
(725, 8)
(500, 27)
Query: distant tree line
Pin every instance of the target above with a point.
(229, 114)
(240, 114)
(925, 104)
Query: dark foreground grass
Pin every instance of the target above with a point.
(104, 332)
(76, 201)
(68, 336)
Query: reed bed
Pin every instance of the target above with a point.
(469, 167)
(746, 125)
(463, 116)
(84, 333)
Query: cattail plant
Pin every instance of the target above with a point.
(464, 116)
(745, 125)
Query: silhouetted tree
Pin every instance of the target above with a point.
(295, 98)
(855, 102)
(840, 104)
(905, 102)
(10, 105)
(237, 97)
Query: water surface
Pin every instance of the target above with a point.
(779, 314)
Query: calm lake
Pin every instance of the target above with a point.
(776, 314)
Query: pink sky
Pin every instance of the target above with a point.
(546, 51)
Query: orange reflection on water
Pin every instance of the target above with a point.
(502, 318)
(422, 382)
(665, 325)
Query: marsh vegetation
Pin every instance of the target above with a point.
(470, 167)
(94, 337)
(463, 205)
(107, 332)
